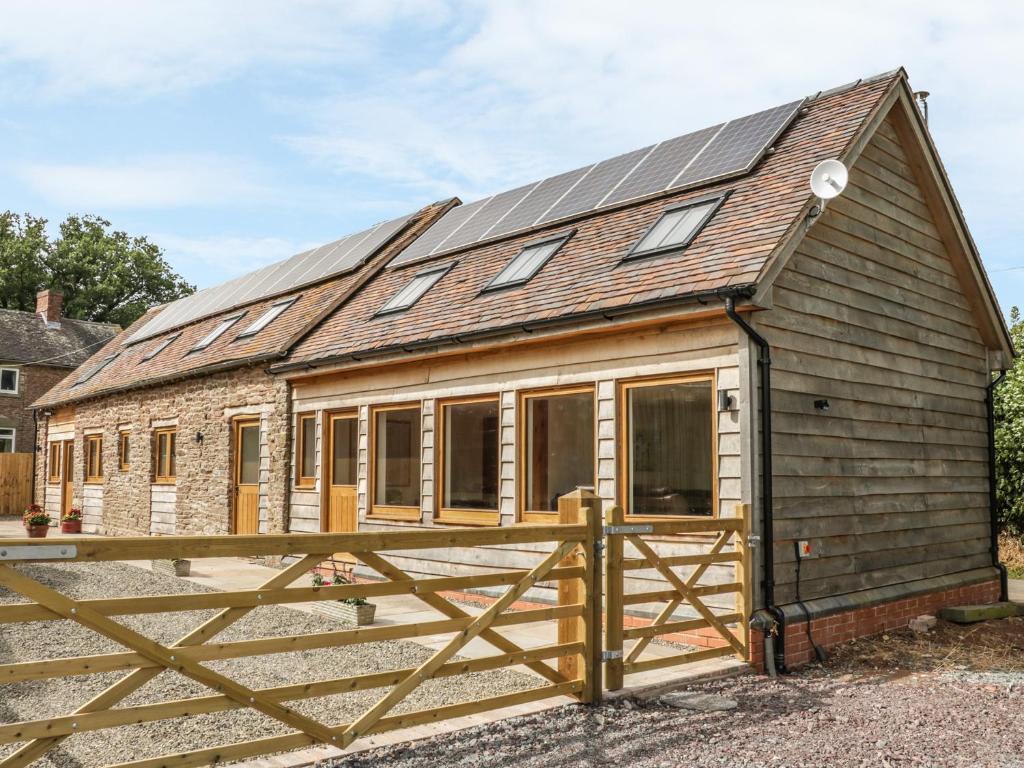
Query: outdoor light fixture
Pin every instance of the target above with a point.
(821, 405)
(199, 438)
(725, 402)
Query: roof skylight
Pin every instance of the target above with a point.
(676, 228)
(159, 347)
(268, 317)
(414, 289)
(527, 262)
(217, 332)
(96, 368)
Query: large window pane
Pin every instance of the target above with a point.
(397, 458)
(344, 441)
(559, 448)
(669, 444)
(471, 456)
(249, 467)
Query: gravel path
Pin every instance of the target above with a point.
(40, 699)
(820, 717)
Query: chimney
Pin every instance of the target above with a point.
(48, 305)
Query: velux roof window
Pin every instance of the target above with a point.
(527, 262)
(217, 332)
(156, 350)
(96, 368)
(414, 289)
(268, 317)
(676, 228)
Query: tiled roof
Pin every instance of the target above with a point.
(588, 273)
(26, 339)
(129, 370)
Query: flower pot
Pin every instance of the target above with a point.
(178, 568)
(71, 526)
(37, 531)
(360, 615)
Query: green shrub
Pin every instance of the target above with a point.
(1009, 412)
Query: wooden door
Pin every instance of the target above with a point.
(339, 499)
(247, 477)
(67, 477)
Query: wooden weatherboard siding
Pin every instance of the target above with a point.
(890, 485)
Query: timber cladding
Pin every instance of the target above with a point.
(199, 498)
(891, 483)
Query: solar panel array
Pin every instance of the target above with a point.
(710, 154)
(304, 268)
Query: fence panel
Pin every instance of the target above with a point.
(15, 482)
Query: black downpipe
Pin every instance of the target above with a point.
(764, 364)
(993, 501)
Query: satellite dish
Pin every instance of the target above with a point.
(828, 179)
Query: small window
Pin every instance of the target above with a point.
(7, 439)
(217, 332)
(557, 435)
(54, 463)
(305, 464)
(9, 381)
(164, 459)
(414, 289)
(123, 461)
(94, 458)
(96, 369)
(669, 447)
(469, 461)
(527, 263)
(395, 469)
(676, 228)
(268, 317)
(160, 347)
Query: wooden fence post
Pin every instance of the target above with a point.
(582, 507)
(743, 576)
(613, 590)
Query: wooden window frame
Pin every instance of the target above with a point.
(93, 475)
(123, 450)
(622, 430)
(385, 511)
(53, 458)
(303, 480)
(533, 516)
(159, 479)
(482, 517)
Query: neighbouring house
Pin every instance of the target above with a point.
(685, 328)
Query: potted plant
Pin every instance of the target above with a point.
(353, 610)
(36, 521)
(72, 521)
(174, 567)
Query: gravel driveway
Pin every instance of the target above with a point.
(40, 699)
(847, 714)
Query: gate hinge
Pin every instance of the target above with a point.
(598, 548)
(611, 655)
(753, 540)
(610, 530)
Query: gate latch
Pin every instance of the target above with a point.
(611, 655)
(610, 530)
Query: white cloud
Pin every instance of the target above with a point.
(160, 181)
(210, 260)
(143, 46)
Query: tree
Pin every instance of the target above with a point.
(1009, 412)
(105, 274)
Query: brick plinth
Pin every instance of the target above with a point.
(829, 631)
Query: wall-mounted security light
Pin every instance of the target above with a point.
(199, 438)
(821, 405)
(725, 401)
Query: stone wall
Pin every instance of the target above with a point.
(202, 494)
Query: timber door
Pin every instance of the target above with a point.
(68, 477)
(247, 477)
(339, 500)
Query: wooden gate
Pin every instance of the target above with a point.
(15, 482)
(571, 559)
(632, 547)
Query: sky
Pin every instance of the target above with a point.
(234, 134)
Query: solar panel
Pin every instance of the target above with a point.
(335, 258)
(700, 157)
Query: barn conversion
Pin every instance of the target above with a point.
(684, 328)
